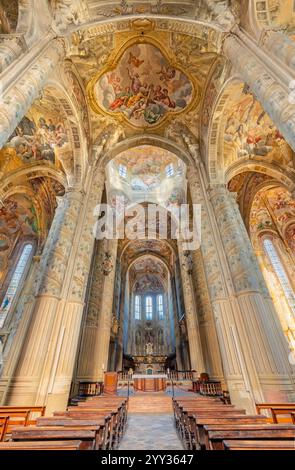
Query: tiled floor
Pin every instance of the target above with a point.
(150, 432)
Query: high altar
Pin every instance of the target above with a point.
(150, 382)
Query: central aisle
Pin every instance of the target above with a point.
(150, 432)
(150, 423)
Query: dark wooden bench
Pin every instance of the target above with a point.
(115, 426)
(88, 435)
(196, 425)
(215, 435)
(3, 426)
(258, 445)
(41, 445)
(105, 438)
(276, 409)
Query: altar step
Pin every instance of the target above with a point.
(150, 403)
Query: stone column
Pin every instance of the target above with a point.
(58, 371)
(247, 357)
(172, 292)
(40, 314)
(259, 319)
(212, 357)
(280, 46)
(102, 340)
(18, 98)
(11, 48)
(263, 83)
(85, 366)
(191, 314)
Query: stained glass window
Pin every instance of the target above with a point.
(278, 267)
(137, 307)
(149, 308)
(15, 282)
(160, 306)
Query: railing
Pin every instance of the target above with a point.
(172, 375)
(182, 375)
(90, 389)
(124, 375)
(208, 388)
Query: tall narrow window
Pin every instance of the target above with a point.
(273, 255)
(122, 171)
(137, 307)
(169, 170)
(160, 307)
(149, 308)
(15, 282)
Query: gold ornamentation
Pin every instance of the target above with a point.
(149, 118)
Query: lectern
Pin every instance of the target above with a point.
(110, 383)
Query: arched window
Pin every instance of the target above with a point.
(160, 306)
(169, 170)
(122, 171)
(279, 270)
(149, 308)
(137, 307)
(16, 282)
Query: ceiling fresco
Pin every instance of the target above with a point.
(274, 210)
(147, 283)
(146, 178)
(249, 132)
(143, 87)
(150, 265)
(275, 13)
(160, 248)
(44, 135)
(27, 215)
(148, 274)
(18, 220)
(8, 16)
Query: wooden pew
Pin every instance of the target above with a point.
(88, 435)
(119, 407)
(215, 435)
(275, 412)
(258, 445)
(116, 423)
(3, 426)
(276, 409)
(183, 415)
(106, 440)
(41, 445)
(14, 418)
(196, 425)
(31, 409)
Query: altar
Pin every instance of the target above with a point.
(150, 382)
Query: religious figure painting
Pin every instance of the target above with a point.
(250, 132)
(144, 87)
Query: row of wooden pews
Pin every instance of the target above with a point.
(95, 424)
(208, 424)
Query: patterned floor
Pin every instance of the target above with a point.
(150, 432)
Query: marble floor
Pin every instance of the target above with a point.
(150, 432)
